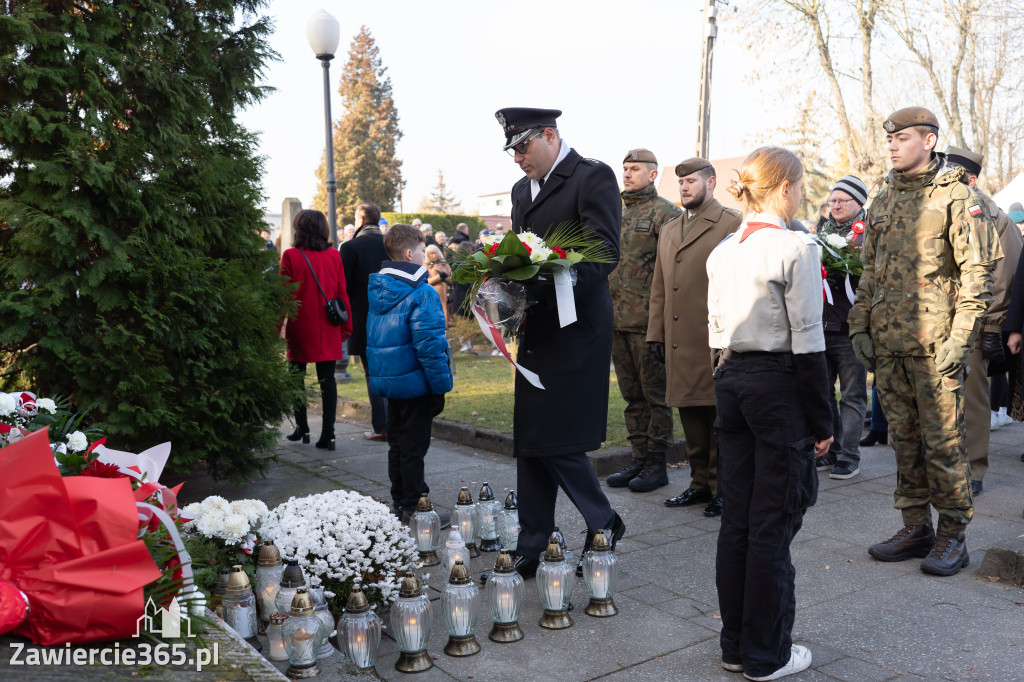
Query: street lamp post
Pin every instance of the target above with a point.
(323, 33)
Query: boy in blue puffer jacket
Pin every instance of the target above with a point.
(407, 354)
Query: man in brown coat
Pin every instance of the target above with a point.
(678, 325)
(989, 345)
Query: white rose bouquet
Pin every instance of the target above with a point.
(341, 539)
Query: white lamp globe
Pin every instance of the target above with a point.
(323, 32)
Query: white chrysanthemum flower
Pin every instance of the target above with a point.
(77, 442)
(47, 404)
(540, 254)
(255, 511)
(8, 404)
(210, 523)
(835, 241)
(489, 239)
(217, 502)
(532, 240)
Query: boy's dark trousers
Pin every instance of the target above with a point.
(409, 426)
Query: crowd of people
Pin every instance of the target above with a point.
(729, 317)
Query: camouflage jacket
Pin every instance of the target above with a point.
(927, 257)
(643, 214)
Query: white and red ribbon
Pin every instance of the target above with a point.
(493, 333)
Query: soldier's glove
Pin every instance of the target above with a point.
(992, 348)
(864, 350)
(951, 356)
(657, 350)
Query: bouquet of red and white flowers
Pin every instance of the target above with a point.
(497, 274)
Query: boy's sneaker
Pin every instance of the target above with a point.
(844, 470)
(826, 461)
(799, 660)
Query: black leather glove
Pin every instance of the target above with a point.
(657, 350)
(992, 348)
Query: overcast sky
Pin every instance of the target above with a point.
(625, 76)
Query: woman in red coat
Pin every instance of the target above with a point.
(310, 335)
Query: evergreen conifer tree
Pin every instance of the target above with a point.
(134, 280)
(365, 163)
(441, 200)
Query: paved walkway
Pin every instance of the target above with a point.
(863, 620)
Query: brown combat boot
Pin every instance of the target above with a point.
(948, 556)
(912, 542)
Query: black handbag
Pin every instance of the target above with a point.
(335, 307)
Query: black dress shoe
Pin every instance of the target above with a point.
(323, 443)
(714, 507)
(526, 566)
(298, 434)
(875, 437)
(689, 497)
(976, 488)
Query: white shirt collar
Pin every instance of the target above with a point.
(562, 153)
(765, 218)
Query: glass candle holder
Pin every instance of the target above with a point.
(601, 574)
(240, 607)
(504, 593)
(324, 614)
(410, 626)
(425, 526)
(460, 603)
(275, 637)
(508, 522)
(359, 631)
(487, 510)
(303, 637)
(464, 518)
(269, 568)
(291, 580)
(454, 550)
(220, 590)
(555, 580)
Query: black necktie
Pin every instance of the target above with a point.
(541, 183)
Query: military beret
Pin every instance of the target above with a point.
(971, 161)
(692, 166)
(517, 122)
(1016, 212)
(911, 116)
(640, 156)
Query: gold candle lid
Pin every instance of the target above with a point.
(600, 543)
(357, 601)
(302, 603)
(424, 504)
(410, 586)
(464, 497)
(459, 576)
(505, 563)
(238, 581)
(554, 551)
(277, 618)
(269, 555)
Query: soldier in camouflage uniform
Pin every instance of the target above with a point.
(927, 280)
(640, 376)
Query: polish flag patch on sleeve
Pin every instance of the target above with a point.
(975, 210)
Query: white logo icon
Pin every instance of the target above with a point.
(165, 622)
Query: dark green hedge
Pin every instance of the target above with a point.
(440, 222)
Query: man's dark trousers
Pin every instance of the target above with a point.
(538, 480)
(409, 425)
(767, 479)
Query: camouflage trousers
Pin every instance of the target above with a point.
(642, 384)
(926, 429)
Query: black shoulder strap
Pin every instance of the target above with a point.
(314, 276)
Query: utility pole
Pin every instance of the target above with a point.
(704, 115)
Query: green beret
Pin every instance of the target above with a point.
(692, 166)
(911, 116)
(971, 161)
(640, 156)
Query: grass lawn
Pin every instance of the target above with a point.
(483, 396)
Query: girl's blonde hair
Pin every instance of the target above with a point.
(762, 175)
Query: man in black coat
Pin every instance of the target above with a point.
(361, 256)
(554, 428)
